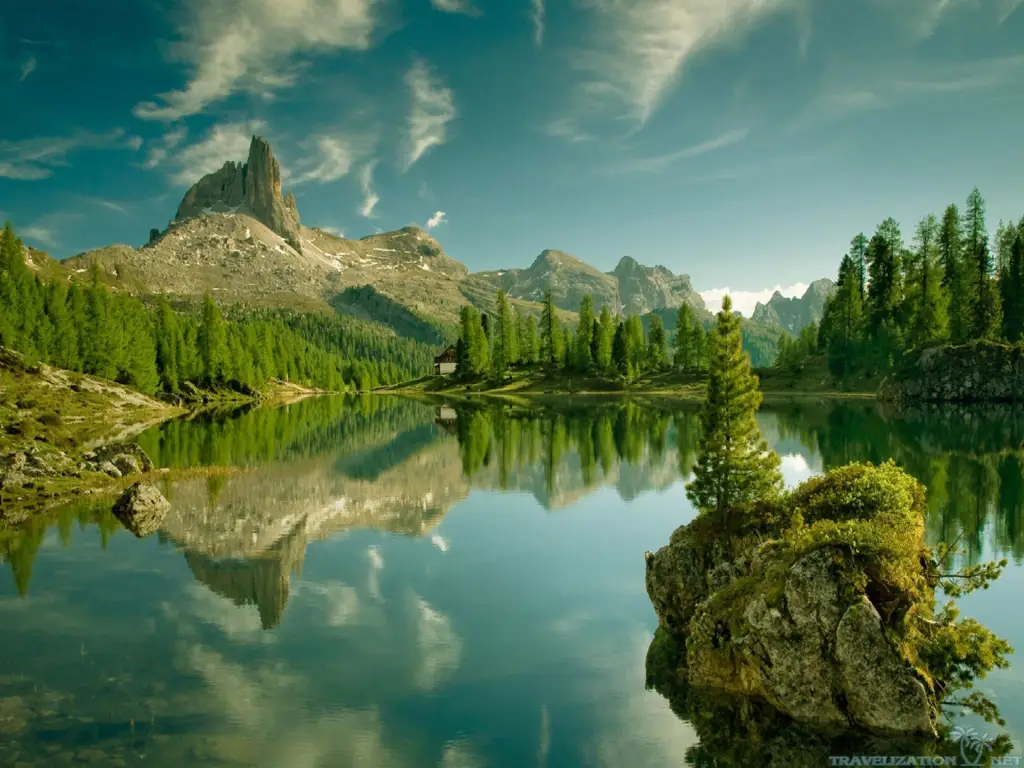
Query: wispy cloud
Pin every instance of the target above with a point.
(433, 107)
(744, 302)
(456, 6)
(437, 219)
(336, 231)
(332, 160)
(34, 159)
(848, 94)
(28, 66)
(238, 45)
(660, 162)
(537, 16)
(159, 148)
(39, 234)
(641, 46)
(110, 205)
(225, 141)
(370, 198)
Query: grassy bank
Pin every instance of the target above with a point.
(535, 384)
(50, 419)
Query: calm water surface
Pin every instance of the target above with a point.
(390, 584)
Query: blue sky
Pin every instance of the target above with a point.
(740, 141)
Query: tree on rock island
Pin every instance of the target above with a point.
(735, 467)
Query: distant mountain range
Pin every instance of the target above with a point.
(794, 314)
(235, 235)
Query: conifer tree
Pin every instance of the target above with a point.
(584, 334)
(953, 279)
(502, 351)
(682, 357)
(984, 313)
(859, 258)
(533, 342)
(1012, 286)
(929, 309)
(622, 356)
(606, 335)
(637, 343)
(656, 344)
(550, 334)
(213, 351)
(736, 466)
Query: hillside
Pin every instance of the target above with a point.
(794, 314)
(236, 235)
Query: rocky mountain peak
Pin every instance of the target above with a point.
(253, 188)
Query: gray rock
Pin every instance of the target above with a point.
(981, 371)
(141, 509)
(882, 692)
(108, 468)
(116, 452)
(254, 187)
(127, 465)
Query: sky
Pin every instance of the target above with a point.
(742, 142)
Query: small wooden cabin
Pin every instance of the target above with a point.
(445, 362)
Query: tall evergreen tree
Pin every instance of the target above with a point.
(622, 356)
(682, 357)
(736, 466)
(1012, 286)
(550, 333)
(213, 349)
(656, 344)
(953, 278)
(637, 343)
(859, 260)
(984, 313)
(533, 342)
(929, 307)
(584, 334)
(843, 318)
(606, 336)
(502, 350)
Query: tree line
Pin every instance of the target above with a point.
(599, 344)
(952, 283)
(155, 347)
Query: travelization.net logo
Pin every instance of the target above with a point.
(974, 752)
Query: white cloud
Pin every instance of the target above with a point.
(159, 149)
(251, 45)
(641, 45)
(660, 162)
(438, 218)
(370, 198)
(110, 205)
(440, 542)
(433, 107)
(39, 234)
(537, 17)
(455, 6)
(224, 142)
(795, 469)
(745, 301)
(440, 647)
(33, 159)
(28, 66)
(333, 160)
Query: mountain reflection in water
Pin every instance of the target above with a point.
(524, 610)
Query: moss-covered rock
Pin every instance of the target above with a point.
(821, 606)
(979, 372)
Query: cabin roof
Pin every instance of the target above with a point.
(448, 356)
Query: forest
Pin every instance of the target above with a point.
(952, 283)
(156, 347)
(488, 346)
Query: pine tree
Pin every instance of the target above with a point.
(584, 334)
(951, 262)
(605, 339)
(656, 344)
(213, 351)
(736, 467)
(621, 352)
(682, 357)
(1012, 286)
(859, 259)
(983, 310)
(502, 353)
(929, 309)
(843, 318)
(550, 334)
(533, 342)
(637, 343)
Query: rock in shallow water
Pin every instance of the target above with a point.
(141, 509)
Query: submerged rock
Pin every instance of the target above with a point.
(141, 509)
(812, 618)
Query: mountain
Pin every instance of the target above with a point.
(797, 313)
(642, 289)
(238, 236)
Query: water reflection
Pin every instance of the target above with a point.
(328, 607)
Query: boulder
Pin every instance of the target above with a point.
(129, 458)
(141, 509)
(108, 468)
(127, 464)
(785, 616)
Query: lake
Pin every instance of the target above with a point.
(387, 583)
